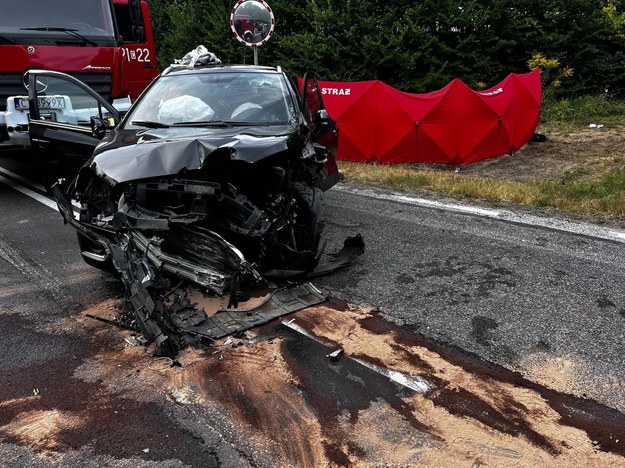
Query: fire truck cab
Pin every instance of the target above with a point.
(106, 44)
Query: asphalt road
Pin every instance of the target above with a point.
(514, 294)
(545, 302)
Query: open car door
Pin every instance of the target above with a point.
(66, 116)
(324, 131)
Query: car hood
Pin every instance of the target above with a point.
(145, 154)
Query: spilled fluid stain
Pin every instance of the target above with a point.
(252, 385)
(49, 408)
(311, 410)
(483, 402)
(40, 428)
(291, 405)
(341, 388)
(604, 426)
(509, 419)
(308, 409)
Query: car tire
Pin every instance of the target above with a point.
(311, 200)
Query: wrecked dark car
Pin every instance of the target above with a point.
(214, 179)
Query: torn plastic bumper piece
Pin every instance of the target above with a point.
(353, 247)
(281, 302)
(137, 276)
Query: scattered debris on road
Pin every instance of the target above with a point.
(334, 355)
(393, 398)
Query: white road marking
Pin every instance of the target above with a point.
(419, 201)
(23, 180)
(302, 331)
(585, 229)
(461, 208)
(25, 186)
(30, 193)
(415, 383)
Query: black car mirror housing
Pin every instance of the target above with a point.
(98, 127)
(321, 117)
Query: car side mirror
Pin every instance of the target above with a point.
(98, 127)
(321, 117)
(321, 124)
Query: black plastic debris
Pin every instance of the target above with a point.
(281, 302)
(353, 247)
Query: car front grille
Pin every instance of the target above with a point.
(11, 85)
(99, 82)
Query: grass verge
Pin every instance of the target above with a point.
(604, 198)
(582, 109)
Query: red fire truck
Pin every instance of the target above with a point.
(107, 44)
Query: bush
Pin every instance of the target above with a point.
(581, 109)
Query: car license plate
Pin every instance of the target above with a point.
(52, 102)
(21, 103)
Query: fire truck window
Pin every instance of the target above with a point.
(124, 23)
(89, 18)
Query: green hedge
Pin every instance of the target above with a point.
(416, 46)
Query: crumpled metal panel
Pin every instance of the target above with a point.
(164, 157)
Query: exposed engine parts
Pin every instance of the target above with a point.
(201, 230)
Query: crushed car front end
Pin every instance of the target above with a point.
(179, 195)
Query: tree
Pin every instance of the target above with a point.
(417, 46)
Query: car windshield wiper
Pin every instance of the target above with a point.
(71, 32)
(204, 123)
(220, 123)
(149, 124)
(6, 39)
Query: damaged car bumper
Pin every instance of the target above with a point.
(214, 180)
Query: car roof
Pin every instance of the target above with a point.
(221, 69)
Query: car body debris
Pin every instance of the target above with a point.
(335, 355)
(221, 191)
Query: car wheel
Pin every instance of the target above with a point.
(312, 207)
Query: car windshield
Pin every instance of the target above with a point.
(216, 98)
(87, 17)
